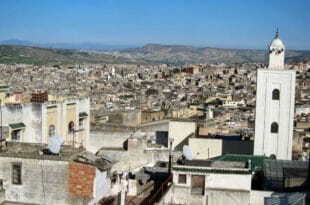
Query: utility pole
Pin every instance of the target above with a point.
(170, 156)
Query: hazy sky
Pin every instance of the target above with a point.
(216, 23)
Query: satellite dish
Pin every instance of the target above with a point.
(107, 158)
(54, 144)
(187, 152)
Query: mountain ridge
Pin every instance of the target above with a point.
(150, 53)
(180, 54)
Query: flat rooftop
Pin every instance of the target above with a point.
(213, 164)
(210, 166)
(34, 151)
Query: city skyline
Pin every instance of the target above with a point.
(224, 24)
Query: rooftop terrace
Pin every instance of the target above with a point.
(34, 151)
(209, 166)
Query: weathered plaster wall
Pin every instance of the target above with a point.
(43, 182)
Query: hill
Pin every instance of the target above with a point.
(151, 53)
(177, 54)
(33, 55)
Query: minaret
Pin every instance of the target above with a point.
(276, 53)
(275, 101)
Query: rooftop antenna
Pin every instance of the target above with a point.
(187, 152)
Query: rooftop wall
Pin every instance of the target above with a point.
(43, 181)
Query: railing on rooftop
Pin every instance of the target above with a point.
(132, 201)
(160, 192)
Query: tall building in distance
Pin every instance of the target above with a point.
(275, 98)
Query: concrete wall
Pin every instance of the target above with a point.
(179, 130)
(231, 197)
(229, 181)
(40, 180)
(162, 125)
(54, 182)
(182, 195)
(30, 115)
(220, 189)
(2, 196)
(128, 118)
(257, 197)
(136, 156)
(219, 181)
(99, 139)
(109, 135)
(84, 106)
(207, 148)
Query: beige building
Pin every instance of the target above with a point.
(149, 116)
(126, 118)
(36, 122)
(7, 97)
(184, 112)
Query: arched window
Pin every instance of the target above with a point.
(273, 157)
(51, 130)
(276, 94)
(71, 127)
(274, 127)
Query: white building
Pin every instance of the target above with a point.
(27, 177)
(275, 105)
(36, 122)
(203, 182)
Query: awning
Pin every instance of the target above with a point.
(83, 115)
(17, 126)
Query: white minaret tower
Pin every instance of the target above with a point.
(275, 99)
(276, 53)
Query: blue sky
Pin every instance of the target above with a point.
(215, 23)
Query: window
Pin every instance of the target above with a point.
(71, 127)
(51, 130)
(198, 184)
(182, 179)
(16, 135)
(275, 94)
(81, 122)
(274, 127)
(1, 185)
(16, 174)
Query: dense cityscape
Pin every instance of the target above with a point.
(137, 131)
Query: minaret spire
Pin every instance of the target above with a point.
(277, 33)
